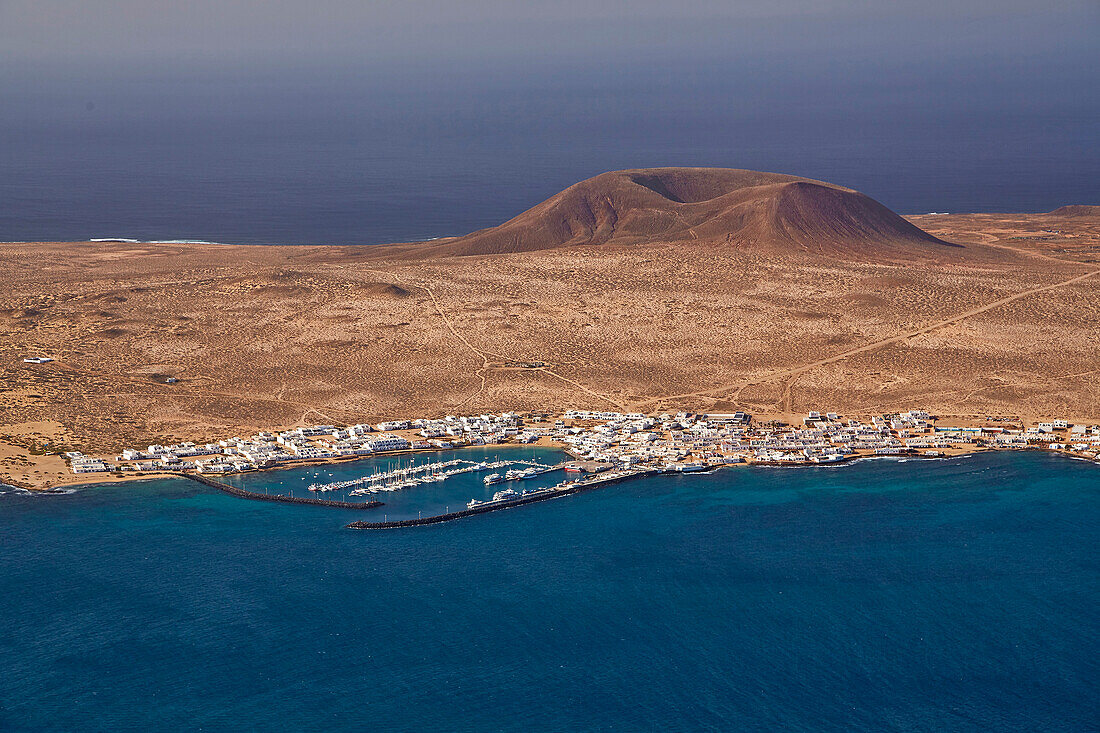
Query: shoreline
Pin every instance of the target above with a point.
(594, 482)
(107, 480)
(91, 480)
(770, 441)
(598, 482)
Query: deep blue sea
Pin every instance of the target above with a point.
(369, 153)
(952, 595)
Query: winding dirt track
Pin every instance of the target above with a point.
(486, 365)
(790, 375)
(794, 373)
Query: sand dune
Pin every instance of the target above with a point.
(767, 212)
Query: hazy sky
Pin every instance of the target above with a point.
(382, 120)
(342, 31)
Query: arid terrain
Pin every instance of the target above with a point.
(788, 297)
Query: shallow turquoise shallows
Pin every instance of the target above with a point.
(954, 595)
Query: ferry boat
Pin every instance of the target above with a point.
(473, 502)
(493, 478)
(505, 495)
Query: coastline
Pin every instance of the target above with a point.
(128, 395)
(943, 437)
(599, 481)
(591, 482)
(92, 480)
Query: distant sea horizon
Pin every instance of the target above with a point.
(398, 155)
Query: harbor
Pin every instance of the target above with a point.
(414, 474)
(521, 459)
(517, 499)
(278, 498)
(434, 488)
(447, 481)
(597, 440)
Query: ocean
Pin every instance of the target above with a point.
(374, 154)
(886, 595)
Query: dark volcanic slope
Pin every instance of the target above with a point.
(1076, 210)
(768, 212)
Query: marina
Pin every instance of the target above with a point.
(515, 499)
(279, 498)
(414, 475)
(460, 474)
(427, 480)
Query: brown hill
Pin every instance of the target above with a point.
(1076, 210)
(767, 212)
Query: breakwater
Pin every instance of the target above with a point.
(494, 506)
(245, 494)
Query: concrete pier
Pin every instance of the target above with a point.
(493, 506)
(244, 494)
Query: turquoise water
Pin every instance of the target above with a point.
(952, 595)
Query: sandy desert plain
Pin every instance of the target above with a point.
(769, 294)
